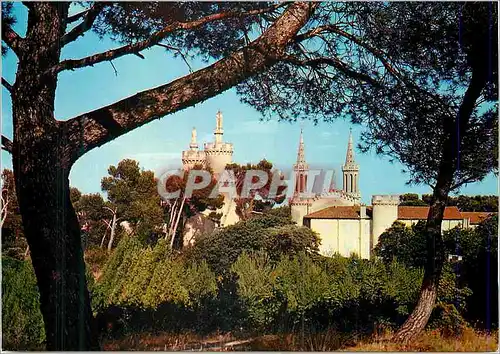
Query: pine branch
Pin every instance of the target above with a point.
(84, 26)
(7, 144)
(95, 128)
(135, 48)
(7, 85)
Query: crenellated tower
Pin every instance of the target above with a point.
(350, 171)
(193, 156)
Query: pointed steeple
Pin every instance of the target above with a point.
(349, 158)
(301, 167)
(301, 158)
(350, 170)
(193, 145)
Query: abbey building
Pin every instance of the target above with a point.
(347, 226)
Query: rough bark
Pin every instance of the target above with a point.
(41, 167)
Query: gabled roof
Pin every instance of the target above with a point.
(339, 212)
(476, 217)
(421, 212)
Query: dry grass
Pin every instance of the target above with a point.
(325, 341)
(167, 342)
(430, 341)
(433, 341)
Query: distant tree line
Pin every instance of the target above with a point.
(486, 203)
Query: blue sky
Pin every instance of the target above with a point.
(159, 143)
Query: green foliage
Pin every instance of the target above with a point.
(258, 199)
(405, 243)
(290, 240)
(22, 322)
(274, 234)
(13, 241)
(146, 276)
(256, 283)
(282, 211)
(133, 192)
(199, 281)
(487, 203)
(327, 291)
(411, 199)
(467, 284)
(302, 283)
(91, 212)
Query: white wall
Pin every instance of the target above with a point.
(343, 236)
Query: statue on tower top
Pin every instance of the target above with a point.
(194, 144)
(218, 128)
(219, 120)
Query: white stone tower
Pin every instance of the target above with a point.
(218, 153)
(384, 213)
(193, 156)
(350, 172)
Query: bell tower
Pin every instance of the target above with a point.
(350, 171)
(300, 168)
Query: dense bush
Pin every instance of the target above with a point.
(345, 293)
(467, 287)
(276, 235)
(146, 277)
(22, 322)
(478, 270)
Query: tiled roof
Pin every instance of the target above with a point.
(404, 213)
(339, 212)
(420, 213)
(476, 217)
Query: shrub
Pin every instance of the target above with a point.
(256, 287)
(146, 277)
(347, 293)
(22, 322)
(274, 234)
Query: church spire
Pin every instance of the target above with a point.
(350, 170)
(349, 158)
(301, 159)
(301, 168)
(193, 145)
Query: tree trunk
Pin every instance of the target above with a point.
(42, 162)
(53, 236)
(174, 230)
(455, 129)
(113, 229)
(418, 319)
